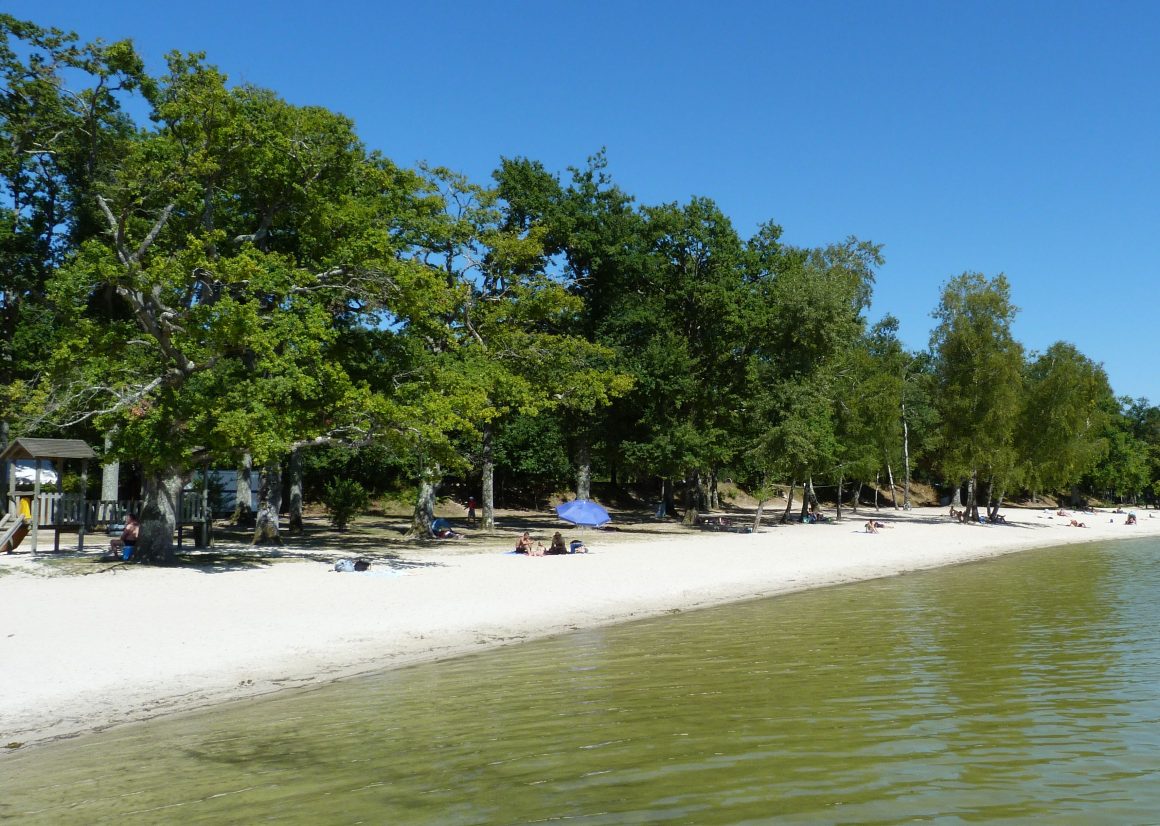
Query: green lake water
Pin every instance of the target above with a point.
(1023, 689)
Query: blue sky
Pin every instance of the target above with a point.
(994, 137)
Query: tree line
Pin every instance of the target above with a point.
(194, 273)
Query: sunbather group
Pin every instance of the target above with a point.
(526, 545)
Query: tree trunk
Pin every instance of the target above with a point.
(159, 517)
(993, 511)
(841, 481)
(668, 496)
(583, 469)
(905, 460)
(269, 504)
(243, 509)
(296, 526)
(110, 475)
(890, 478)
(877, 476)
(857, 498)
(807, 496)
(972, 502)
(424, 515)
(789, 501)
(4, 467)
(714, 495)
(486, 481)
(760, 504)
(692, 498)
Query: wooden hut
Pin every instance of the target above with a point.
(43, 505)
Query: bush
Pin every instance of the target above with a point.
(345, 499)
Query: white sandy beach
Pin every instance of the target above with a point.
(83, 652)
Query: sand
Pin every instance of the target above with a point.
(81, 653)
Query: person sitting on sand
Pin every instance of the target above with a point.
(1061, 512)
(558, 546)
(525, 545)
(1075, 524)
(129, 536)
(577, 546)
(871, 527)
(1131, 520)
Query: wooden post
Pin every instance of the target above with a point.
(11, 499)
(36, 507)
(83, 515)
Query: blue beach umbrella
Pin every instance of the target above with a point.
(583, 512)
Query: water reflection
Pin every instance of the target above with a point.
(1019, 689)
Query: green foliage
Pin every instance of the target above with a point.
(344, 500)
(374, 466)
(1061, 429)
(811, 373)
(240, 274)
(979, 375)
(531, 454)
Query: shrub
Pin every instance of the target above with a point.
(344, 499)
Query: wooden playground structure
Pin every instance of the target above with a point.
(28, 514)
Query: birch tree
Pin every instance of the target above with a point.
(978, 370)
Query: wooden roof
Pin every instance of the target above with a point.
(25, 448)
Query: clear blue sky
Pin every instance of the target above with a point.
(1021, 137)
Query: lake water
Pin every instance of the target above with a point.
(1023, 689)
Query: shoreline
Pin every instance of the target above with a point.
(82, 653)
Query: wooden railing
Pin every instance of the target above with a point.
(70, 510)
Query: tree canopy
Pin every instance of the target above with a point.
(237, 275)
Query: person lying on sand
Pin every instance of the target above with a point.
(1075, 524)
(441, 529)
